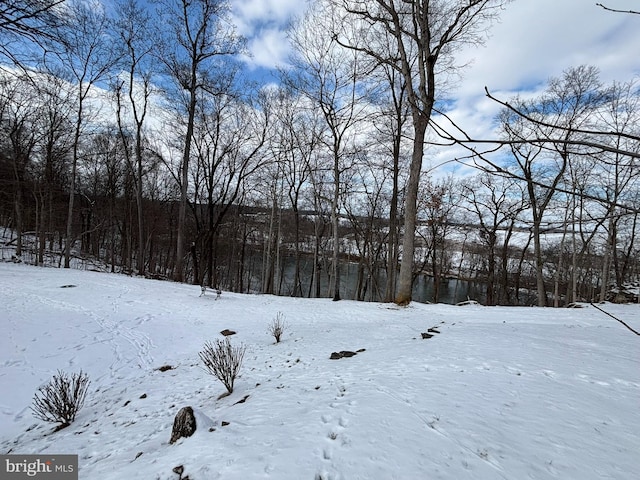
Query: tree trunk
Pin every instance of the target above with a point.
(72, 189)
(268, 257)
(42, 228)
(139, 204)
(392, 253)
(279, 264)
(196, 264)
(18, 223)
(505, 297)
(542, 296)
(405, 278)
(491, 267)
(178, 273)
(335, 222)
(297, 286)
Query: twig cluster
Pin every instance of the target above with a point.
(223, 361)
(277, 327)
(60, 400)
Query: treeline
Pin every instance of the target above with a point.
(139, 149)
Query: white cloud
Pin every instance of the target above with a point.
(249, 13)
(263, 23)
(536, 40)
(269, 49)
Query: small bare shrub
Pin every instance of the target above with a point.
(62, 398)
(277, 327)
(223, 361)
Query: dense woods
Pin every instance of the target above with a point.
(131, 140)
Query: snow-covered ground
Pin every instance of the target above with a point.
(500, 393)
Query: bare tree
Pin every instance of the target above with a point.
(320, 181)
(133, 90)
(619, 179)
(594, 140)
(330, 77)
(55, 123)
(593, 130)
(366, 203)
(391, 127)
(295, 142)
(496, 203)
(228, 139)
(202, 38)
(109, 180)
(87, 58)
(270, 184)
(424, 34)
(18, 138)
(436, 213)
(567, 103)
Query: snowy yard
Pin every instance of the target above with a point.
(499, 393)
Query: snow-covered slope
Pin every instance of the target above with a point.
(500, 393)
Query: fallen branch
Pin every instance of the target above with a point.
(615, 318)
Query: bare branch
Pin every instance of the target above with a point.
(495, 169)
(32, 18)
(616, 10)
(521, 114)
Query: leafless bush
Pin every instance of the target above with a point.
(277, 327)
(223, 361)
(62, 398)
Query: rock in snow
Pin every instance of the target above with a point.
(184, 424)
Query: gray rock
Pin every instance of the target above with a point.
(184, 424)
(347, 353)
(344, 354)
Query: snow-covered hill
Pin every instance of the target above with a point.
(499, 393)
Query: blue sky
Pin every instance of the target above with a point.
(539, 39)
(534, 40)
(264, 23)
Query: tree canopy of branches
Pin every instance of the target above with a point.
(201, 40)
(32, 20)
(330, 77)
(417, 39)
(130, 141)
